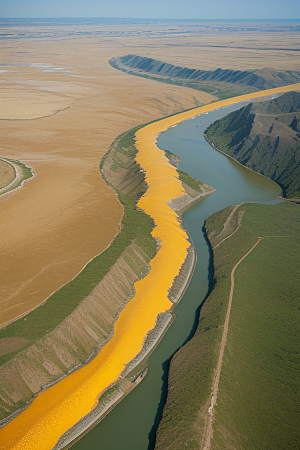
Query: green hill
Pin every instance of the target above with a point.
(266, 138)
(257, 405)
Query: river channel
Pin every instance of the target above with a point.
(130, 424)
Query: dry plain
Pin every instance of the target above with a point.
(62, 106)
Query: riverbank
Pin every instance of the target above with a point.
(237, 162)
(136, 370)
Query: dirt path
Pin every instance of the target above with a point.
(208, 430)
(226, 225)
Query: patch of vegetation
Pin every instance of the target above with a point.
(26, 171)
(109, 393)
(194, 183)
(171, 154)
(257, 405)
(217, 221)
(173, 159)
(26, 174)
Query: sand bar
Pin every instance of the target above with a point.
(56, 410)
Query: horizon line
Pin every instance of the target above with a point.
(152, 18)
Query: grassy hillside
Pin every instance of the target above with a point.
(266, 138)
(257, 405)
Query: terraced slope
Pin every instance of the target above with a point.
(266, 138)
(224, 83)
(257, 404)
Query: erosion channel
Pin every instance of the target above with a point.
(131, 425)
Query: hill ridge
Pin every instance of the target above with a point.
(261, 78)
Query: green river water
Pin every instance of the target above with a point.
(131, 425)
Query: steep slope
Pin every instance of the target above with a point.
(266, 138)
(217, 80)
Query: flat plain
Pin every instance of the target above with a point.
(62, 106)
(7, 173)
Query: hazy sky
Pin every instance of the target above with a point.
(177, 9)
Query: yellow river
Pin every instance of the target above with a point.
(57, 409)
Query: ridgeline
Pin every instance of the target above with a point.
(222, 83)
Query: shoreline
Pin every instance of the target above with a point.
(165, 124)
(258, 173)
(152, 339)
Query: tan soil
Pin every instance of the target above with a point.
(66, 215)
(7, 173)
